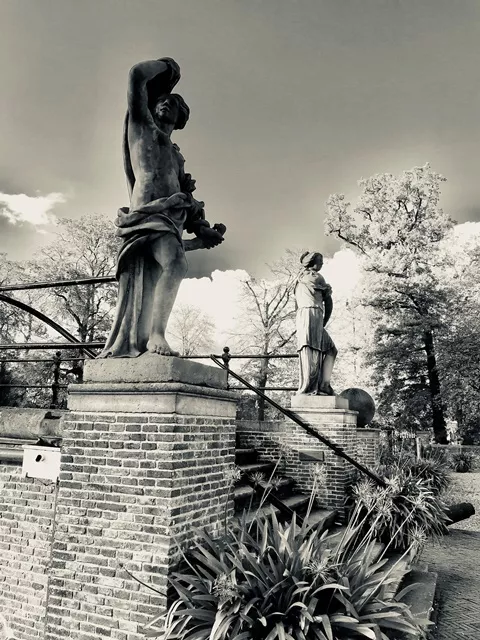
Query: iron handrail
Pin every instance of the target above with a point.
(22, 286)
(337, 450)
(18, 346)
(43, 318)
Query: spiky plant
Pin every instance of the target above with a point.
(398, 512)
(286, 582)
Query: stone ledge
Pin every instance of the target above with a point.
(154, 368)
(318, 402)
(159, 397)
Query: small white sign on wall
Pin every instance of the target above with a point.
(41, 462)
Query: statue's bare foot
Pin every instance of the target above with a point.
(158, 345)
(326, 390)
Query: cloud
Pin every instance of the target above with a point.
(35, 210)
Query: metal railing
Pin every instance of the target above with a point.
(90, 349)
(58, 359)
(337, 450)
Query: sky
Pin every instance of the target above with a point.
(291, 100)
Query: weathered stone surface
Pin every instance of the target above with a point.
(29, 423)
(151, 261)
(316, 350)
(318, 402)
(154, 368)
(149, 397)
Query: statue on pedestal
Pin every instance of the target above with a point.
(151, 262)
(316, 350)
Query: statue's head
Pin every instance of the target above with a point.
(312, 260)
(172, 109)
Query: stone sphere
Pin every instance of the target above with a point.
(361, 401)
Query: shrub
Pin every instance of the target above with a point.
(432, 468)
(286, 582)
(406, 511)
(462, 462)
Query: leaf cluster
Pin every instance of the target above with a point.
(410, 509)
(462, 462)
(285, 582)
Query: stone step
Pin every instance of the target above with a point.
(258, 467)
(243, 491)
(297, 502)
(420, 566)
(322, 518)
(245, 456)
(397, 569)
(421, 599)
(265, 511)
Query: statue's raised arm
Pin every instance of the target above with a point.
(147, 82)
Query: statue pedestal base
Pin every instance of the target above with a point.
(324, 472)
(146, 451)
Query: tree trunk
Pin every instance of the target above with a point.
(439, 425)
(262, 382)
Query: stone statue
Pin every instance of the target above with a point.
(151, 261)
(316, 350)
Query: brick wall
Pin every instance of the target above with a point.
(131, 487)
(27, 508)
(368, 445)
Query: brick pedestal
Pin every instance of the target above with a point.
(368, 446)
(145, 452)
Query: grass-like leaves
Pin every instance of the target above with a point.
(285, 582)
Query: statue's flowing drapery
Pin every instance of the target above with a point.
(313, 341)
(137, 270)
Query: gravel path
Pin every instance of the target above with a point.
(466, 488)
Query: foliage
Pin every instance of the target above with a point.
(409, 509)
(266, 326)
(285, 582)
(462, 462)
(191, 330)
(83, 248)
(459, 347)
(431, 468)
(397, 226)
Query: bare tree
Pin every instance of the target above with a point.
(191, 330)
(84, 248)
(266, 327)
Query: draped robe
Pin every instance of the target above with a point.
(313, 341)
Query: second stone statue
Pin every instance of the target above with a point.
(316, 350)
(151, 261)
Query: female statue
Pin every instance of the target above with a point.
(316, 349)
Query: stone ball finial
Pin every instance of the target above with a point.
(361, 401)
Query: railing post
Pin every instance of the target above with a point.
(226, 357)
(57, 359)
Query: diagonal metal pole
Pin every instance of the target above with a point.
(337, 450)
(41, 316)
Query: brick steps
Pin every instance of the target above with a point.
(323, 518)
(243, 492)
(258, 467)
(246, 496)
(420, 599)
